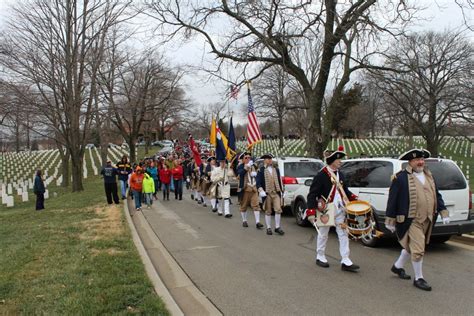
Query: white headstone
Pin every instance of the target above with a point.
(24, 196)
(10, 202)
(9, 188)
(46, 194)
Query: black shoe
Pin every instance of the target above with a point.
(351, 268)
(400, 272)
(422, 284)
(322, 264)
(259, 226)
(269, 231)
(279, 231)
(204, 204)
(124, 198)
(175, 197)
(192, 196)
(244, 224)
(220, 214)
(214, 210)
(199, 202)
(228, 216)
(180, 198)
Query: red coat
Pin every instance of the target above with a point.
(165, 176)
(177, 172)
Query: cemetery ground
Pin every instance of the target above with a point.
(75, 257)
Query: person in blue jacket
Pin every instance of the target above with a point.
(413, 204)
(38, 190)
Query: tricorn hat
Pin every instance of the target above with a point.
(211, 158)
(335, 155)
(245, 153)
(415, 153)
(267, 156)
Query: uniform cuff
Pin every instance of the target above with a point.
(390, 221)
(444, 213)
(353, 197)
(310, 212)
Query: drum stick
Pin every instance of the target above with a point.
(315, 226)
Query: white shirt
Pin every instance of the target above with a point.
(420, 176)
(270, 170)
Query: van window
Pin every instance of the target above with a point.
(368, 174)
(446, 174)
(302, 169)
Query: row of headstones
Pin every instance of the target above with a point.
(23, 168)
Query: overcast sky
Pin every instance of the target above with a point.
(439, 15)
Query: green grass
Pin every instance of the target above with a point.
(75, 257)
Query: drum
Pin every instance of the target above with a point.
(359, 218)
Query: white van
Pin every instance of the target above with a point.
(370, 179)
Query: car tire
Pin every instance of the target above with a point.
(298, 210)
(439, 239)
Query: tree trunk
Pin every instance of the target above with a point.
(280, 132)
(65, 167)
(77, 173)
(131, 146)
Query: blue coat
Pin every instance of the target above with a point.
(399, 209)
(38, 186)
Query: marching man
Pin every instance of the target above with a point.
(248, 189)
(413, 205)
(220, 179)
(329, 185)
(270, 190)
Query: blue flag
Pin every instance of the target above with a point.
(232, 143)
(221, 149)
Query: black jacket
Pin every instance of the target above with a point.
(321, 187)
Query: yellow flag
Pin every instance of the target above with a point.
(212, 136)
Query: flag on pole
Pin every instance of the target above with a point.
(195, 151)
(254, 135)
(232, 141)
(212, 136)
(221, 146)
(234, 91)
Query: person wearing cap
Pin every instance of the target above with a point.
(109, 174)
(413, 204)
(247, 173)
(270, 189)
(136, 185)
(220, 181)
(178, 175)
(329, 185)
(123, 169)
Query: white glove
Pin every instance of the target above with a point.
(250, 163)
(262, 194)
(446, 220)
(253, 174)
(391, 228)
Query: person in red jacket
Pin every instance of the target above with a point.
(178, 175)
(165, 179)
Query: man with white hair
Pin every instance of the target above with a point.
(413, 205)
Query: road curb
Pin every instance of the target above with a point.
(155, 279)
(189, 299)
(466, 239)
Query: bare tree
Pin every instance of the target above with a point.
(435, 83)
(268, 33)
(56, 47)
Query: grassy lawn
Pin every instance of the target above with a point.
(75, 257)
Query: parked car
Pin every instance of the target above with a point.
(90, 146)
(165, 150)
(294, 172)
(370, 179)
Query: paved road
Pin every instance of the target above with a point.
(245, 272)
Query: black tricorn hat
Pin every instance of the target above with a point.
(211, 158)
(415, 153)
(335, 155)
(245, 153)
(267, 156)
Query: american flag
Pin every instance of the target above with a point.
(253, 129)
(234, 91)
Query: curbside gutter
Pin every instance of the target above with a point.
(155, 279)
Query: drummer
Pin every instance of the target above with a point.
(329, 185)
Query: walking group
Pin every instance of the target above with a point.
(413, 205)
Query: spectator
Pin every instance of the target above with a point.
(136, 185)
(152, 170)
(110, 182)
(39, 190)
(165, 178)
(124, 169)
(177, 173)
(148, 189)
